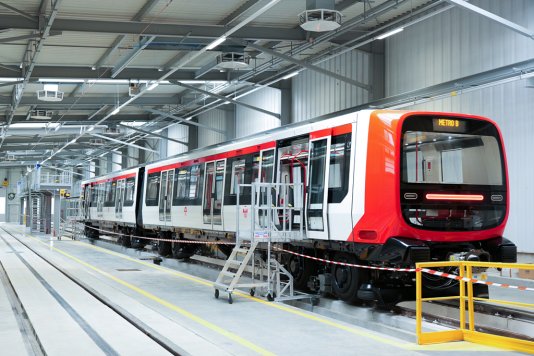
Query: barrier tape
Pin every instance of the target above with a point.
(339, 263)
(424, 270)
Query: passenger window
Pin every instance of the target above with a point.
(338, 182)
(194, 182)
(129, 192)
(238, 176)
(152, 189)
(182, 184)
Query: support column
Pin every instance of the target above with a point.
(116, 161)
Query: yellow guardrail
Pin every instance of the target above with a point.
(465, 272)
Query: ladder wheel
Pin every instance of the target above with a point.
(252, 292)
(270, 297)
(230, 300)
(216, 294)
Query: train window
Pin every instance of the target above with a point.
(182, 183)
(93, 195)
(238, 176)
(267, 166)
(338, 182)
(194, 182)
(152, 189)
(109, 195)
(318, 155)
(129, 193)
(182, 177)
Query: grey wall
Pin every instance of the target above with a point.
(317, 94)
(249, 121)
(458, 43)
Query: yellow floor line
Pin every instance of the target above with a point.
(454, 346)
(165, 303)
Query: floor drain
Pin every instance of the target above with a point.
(128, 270)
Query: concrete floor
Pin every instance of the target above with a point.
(174, 306)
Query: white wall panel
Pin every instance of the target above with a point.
(218, 119)
(459, 43)
(249, 121)
(316, 94)
(178, 132)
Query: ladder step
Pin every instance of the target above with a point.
(229, 274)
(241, 250)
(234, 262)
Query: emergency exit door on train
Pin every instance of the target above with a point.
(317, 194)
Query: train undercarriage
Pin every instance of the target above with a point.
(350, 284)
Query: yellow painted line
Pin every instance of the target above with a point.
(456, 346)
(165, 303)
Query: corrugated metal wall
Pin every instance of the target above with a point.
(316, 94)
(459, 43)
(219, 119)
(178, 132)
(250, 121)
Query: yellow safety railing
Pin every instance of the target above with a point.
(465, 271)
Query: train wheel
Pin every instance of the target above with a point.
(164, 247)
(301, 269)
(346, 280)
(124, 239)
(183, 250)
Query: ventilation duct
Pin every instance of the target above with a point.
(50, 92)
(320, 16)
(233, 60)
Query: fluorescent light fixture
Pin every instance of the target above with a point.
(61, 80)
(390, 33)
(116, 111)
(152, 86)
(158, 131)
(51, 87)
(133, 123)
(91, 128)
(290, 75)
(9, 80)
(215, 43)
(72, 141)
(33, 125)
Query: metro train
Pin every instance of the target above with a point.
(380, 188)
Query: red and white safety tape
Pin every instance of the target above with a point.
(424, 270)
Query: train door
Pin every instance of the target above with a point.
(317, 200)
(119, 198)
(86, 202)
(292, 169)
(212, 201)
(165, 195)
(100, 200)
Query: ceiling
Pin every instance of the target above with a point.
(99, 51)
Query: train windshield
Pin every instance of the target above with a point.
(452, 174)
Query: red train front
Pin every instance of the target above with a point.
(436, 189)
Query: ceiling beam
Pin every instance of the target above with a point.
(309, 66)
(157, 29)
(490, 15)
(180, 120)
(122, 142)
(71, 72)
(154, 134)
(131, 55)
(91, 101)
(224, 98)
(20, 12)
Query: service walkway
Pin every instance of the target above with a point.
(174, 312)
